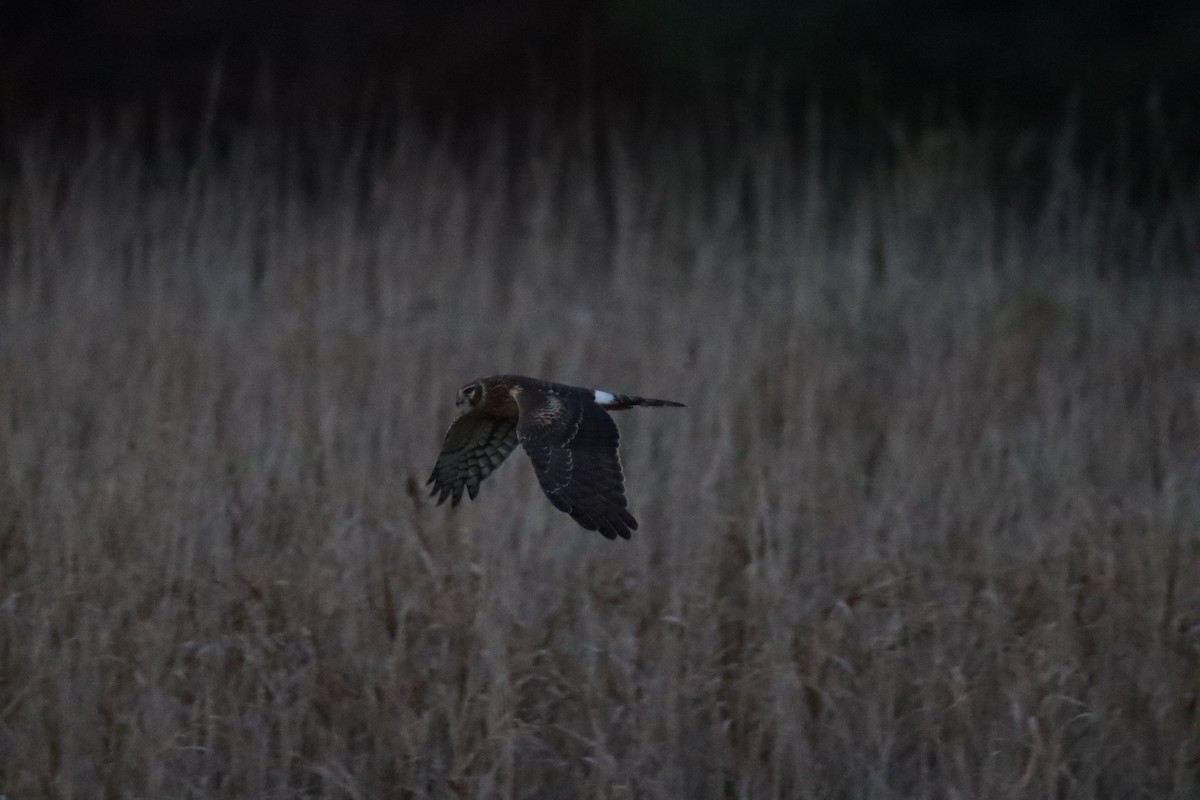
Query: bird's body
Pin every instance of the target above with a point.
(567, 433)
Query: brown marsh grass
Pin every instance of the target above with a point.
(929, 527)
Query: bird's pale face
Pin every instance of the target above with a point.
(470, 395)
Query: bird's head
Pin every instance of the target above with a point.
(470, 395)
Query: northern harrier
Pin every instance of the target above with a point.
(570, 439)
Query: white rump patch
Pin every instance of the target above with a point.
(602, 398)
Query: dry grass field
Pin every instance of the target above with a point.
(929, 528)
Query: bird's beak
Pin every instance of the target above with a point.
(458, 401)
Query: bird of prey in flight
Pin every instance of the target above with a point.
(568, 434)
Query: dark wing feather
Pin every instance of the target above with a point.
(474, 446)
(573, 445)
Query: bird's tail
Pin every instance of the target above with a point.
(619, 402)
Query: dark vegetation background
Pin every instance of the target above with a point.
(1110, 86)
(1023, 60)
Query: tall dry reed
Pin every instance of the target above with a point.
(928, 528)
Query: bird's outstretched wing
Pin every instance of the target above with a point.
(573, 445)
(474, 446)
